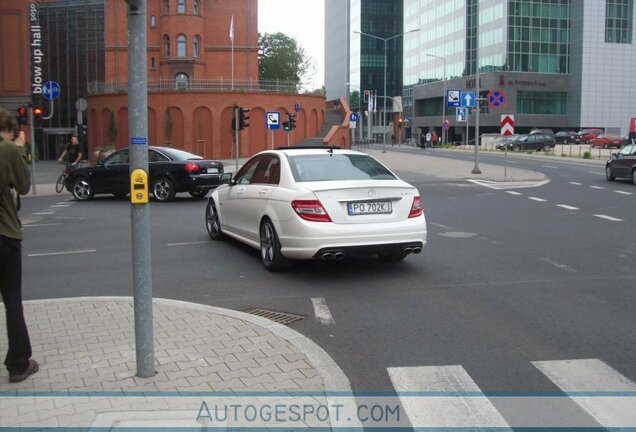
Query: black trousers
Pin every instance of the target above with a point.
(19, 353)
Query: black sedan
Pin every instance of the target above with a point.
(535, 141)
(170, 171)
(622, 164)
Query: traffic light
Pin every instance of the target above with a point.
(292, 121)
(400, 120)
(243, 118)
(23, 115)
(234, 114)
(286, 126)
(37, 115)
(366, 95)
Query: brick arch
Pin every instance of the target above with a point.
(312, 123)
(301, 131)
(94, 130)
(105, 121)
(122, 128)
(259, 137)
(175, 136)
(226, 150)
(152, 127)
(280, 137)
(202, 132)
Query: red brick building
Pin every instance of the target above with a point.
(196, 74)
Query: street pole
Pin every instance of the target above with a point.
(444, 131)
(476, 169)
(140, 213)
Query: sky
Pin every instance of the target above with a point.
(304, 20)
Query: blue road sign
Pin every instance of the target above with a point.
(354, 117)
(297, 107)
(453, 99)
(50, 90)
(468, 99)
(272, 120)
(460, 114)
(138, 141)
(496, 98)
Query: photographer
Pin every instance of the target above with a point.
(14, 174)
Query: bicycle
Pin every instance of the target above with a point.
(61, 180)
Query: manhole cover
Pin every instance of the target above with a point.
(279, 317)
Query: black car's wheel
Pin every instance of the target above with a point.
(212, 222)
(634, 177)
(82, 189)
(163, 189)
(272, 258)
(198, 193)
(547, 148)
(393, 256)
(516, 148)
(608, 173)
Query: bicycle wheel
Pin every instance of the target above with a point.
(60, 183)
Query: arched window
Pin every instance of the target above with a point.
(181, 81)
(166, 7)
(195, 45)
(195, 7)
(166, 45)
(153, 21)
(181, 46)
(181, 6)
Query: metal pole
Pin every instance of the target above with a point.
(444, 131)
(236, 137)
(476, 169)
(32, 144)
(140, 213)
(384, 109)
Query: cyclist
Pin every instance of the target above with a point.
(72, 151)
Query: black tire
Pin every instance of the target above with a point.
(272, 258)
(608, 173)
(634, 177)
(163, 189)
(212, 222)
(82, 189)
(60, 184)
(198, 193)
(394, 256)
(516, 148)
(547, 148)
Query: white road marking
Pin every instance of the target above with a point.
(40, 225)
(567, 207)
(60, 205)
(558, 265)
(43, 213)
(537, 199)
(600, 383)
(321, 310)
(440, 226)
(187, 243)
(624, 193)
(549, 166)
(452, 410)
(62, 253)
(508, 185)
(576, 183)
(597, 187)
(594, 172)
(609, 218)
(514, 193)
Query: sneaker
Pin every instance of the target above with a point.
(30, 370)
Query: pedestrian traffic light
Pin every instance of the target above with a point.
(243, 118)
(366, 95)
(23, 115)
(291, 118)
(286, 126)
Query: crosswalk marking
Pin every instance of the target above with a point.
(567, 207)
(514, 193)
(537, 199)
(609, 218)
(624, 193)
(455, 410)
(592, 375)
(321, 311)
(597, 187)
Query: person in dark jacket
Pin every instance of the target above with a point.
(14, 179)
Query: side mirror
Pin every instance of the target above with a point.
(226, 178)
(615, 155)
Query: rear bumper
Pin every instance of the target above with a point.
(201, 182)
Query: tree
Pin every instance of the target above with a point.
(281, 58)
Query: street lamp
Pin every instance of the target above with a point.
(385, 40)
(444, 131)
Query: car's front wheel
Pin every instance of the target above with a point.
(516, 148)
(272, 258)
(163, 189)
(212, 222)
(82, 189)
(608, 173)
(547, 148)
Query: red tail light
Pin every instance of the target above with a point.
(416, 208)
(311, 210)
(192, 167)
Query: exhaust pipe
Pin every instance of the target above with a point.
(339, 255)
(417, 250)
(407, 250)
(327, 256)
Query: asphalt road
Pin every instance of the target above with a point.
(509, 276)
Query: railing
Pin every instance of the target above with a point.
(159, 85)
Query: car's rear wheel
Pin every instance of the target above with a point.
(163, 189)
(272, 258)
(212, 222)
(516, 148)
(198, 193)
(547, 148)
(82, 189)
(634, 177)
(608, 173)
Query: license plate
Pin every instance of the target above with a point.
(365, 208)
(213, 170)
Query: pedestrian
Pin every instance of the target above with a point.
(14, 174)
(434, 138)
(429, 137)
(73, 152)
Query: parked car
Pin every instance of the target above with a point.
(622, 164)
(607, 140)
(537, 141)
(567, 137)
(542, 131)
(501, 145)
(170, 171)
(586, 135)
(317, 203)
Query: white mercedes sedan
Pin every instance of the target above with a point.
(317, 203)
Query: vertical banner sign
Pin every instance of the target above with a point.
(507, 124)
(37, 50)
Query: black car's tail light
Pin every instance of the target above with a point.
(192, 167)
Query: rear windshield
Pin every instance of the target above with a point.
(334, 167)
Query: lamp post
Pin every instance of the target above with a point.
(444, 131)
(385, 40)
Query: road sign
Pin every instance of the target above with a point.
(507, 124)
(467, 99)
(50, 90)
(354, 117)
(297, 107)
(272, 120)
(138, 141)
(460, 114)
(453, 98)
(496, 98)
(445, 124)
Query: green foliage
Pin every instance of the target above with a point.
(354, 99)
(281, 58)
(587, 155)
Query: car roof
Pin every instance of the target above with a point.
(315, 150)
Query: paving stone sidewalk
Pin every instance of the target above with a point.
(86, 351)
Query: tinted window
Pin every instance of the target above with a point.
(119, 158)
(337, 167)
(245, 174)
(267, 172)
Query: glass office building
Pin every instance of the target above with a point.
(562, 64)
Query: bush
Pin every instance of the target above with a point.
(587, 155)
